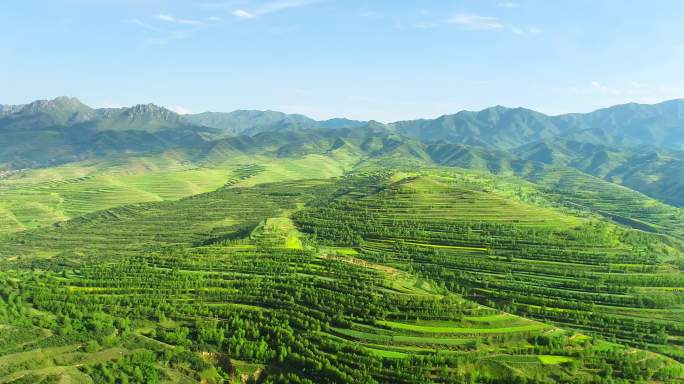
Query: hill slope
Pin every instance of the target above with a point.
(52, 132)
(245, 122)
(633, 145)
(428, 277)
(659, 125)
(656, 172)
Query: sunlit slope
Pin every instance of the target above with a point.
(42, 197)
(578, 190)
(224, 283)
(487, 240)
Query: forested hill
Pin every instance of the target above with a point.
(245, 122)
(289, 272)
(69, 125)
(639, 146)
(660, 125)
(138, 246)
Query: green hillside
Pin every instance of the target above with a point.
(634, 145)
(450, 275)
(653, 171)
(259, 247)
(244, 122)
(499, 127)
(53, 132)
(42, 197)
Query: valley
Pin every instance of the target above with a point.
(330, 255)
(341, 192)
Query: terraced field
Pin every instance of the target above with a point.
(42, 197)
(39, 198)
(380, 277)
(625, 206)
(581, 273)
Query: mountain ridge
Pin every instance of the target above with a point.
(660, 124)
(636, 145)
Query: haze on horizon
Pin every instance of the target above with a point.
(382, 60)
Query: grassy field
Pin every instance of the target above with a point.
(446, 330)
(542, 260)
(417, 276)
(42, 197)
(39, 198)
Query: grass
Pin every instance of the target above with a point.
(41, 197)
(400, 339)
(278, 231)
(460, 330)
(61, 361)
(511, 244)
(425, 260)
(246, 369)
(384, 353)
(554, 360)
(306, 167)
(68, 374)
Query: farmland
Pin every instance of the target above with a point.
(439, 275)
(340, 192)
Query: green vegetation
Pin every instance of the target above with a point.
(638, 146)
(42, 197)
(333, 252)
(432, 276)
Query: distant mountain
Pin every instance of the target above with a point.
(496, 127)
(249, 122)
(6, 109)
(656, 172)
(70, 112)
(141, 117)
(638, 146)
(50, 132)
(659, 125)
(340, 123)
(631, 124)
(45, 113)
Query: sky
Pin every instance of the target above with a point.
(386, 60)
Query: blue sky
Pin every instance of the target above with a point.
(383, 60)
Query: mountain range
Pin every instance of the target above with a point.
(635, 145)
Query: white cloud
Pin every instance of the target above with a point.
(142, 24)
(509, 4)
(165, 17)
(272, 7)
(280, 5)
(476, 21)
(180, 110)
(601, 88)
(161, 36)
(241, 13)
(597, 88)
(523, 31)
(171, 19)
